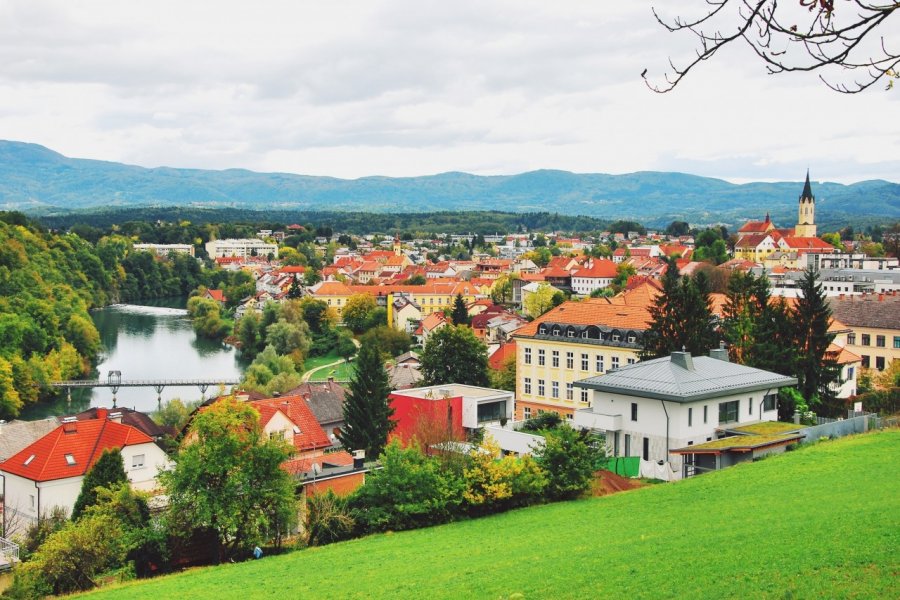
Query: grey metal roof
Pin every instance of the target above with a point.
(16, 435)
(664, 379)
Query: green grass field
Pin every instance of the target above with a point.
(341, 372)
(821, 522)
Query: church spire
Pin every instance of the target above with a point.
(807, 189)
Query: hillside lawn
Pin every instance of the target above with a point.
(823, 521)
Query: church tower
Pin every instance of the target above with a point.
(806, 220)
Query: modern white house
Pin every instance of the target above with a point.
(647, 409)
(49, 472)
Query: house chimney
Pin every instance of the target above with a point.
(359, 459)
(683, 360)
(102, 413)
(881, 297)
(116, 416)
(719, 353)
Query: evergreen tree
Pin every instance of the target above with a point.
(681, 317)
(460, 315)
(108, 471)
(294, 291)
(454, 355)
(367, 413)
(811, 314)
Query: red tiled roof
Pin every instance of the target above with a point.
(503, 353)
(332, 288)
(311, 435)
(601, 268)
(217, 295)
(84, 440)
(591, 311)
(813, 243)
(292, 269)
(756, 227)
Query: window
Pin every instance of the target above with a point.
(137, 461)
(599, 363)
(634, 411)
(690, 417)
(28, 460)
(865, 361)
(540, 387)
(527, 385)
(866, 339)
(616, 337)
(615, 362)
(850, 372)
(584, 362)
(851, 338)
(554, 359)
(879, 363)
(750, 406)
(646, 448)
(584, 395)
(728, 411)
(584, 333)
(492, 411)
(705, 413)
(570, 333)
(897, 342)
(542, 330)
(526, 412)
(570, 391)
(569, 416)
(527, 356)
(630, 361)
(627, 444)
(770, 402)
(70, 460)
(879, 341)
(542, 359)
(570, 360)
(31, 498)
(554, 389)
(631, 339)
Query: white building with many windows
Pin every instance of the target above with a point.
(243, 248)
(648, 409)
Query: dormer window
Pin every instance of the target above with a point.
(296, 430)
(542, 330)
(616, 337)
(28, 460)
(584, 333)
(70, 460)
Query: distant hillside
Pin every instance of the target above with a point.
(38, 180)
(814, 523)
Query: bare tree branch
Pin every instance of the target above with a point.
(832, 40)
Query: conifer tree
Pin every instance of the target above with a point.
(367, 413)
(294, 291)
(812, 318)
(681, 317)
(460, 315)
(106, 472)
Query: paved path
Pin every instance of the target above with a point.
(309, 373)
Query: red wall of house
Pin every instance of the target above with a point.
(411, 415)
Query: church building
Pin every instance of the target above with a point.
(761, 242)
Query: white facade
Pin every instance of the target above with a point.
(585, 285)
(665, 424)
(26, 499)
(165, 249)
(243, 248)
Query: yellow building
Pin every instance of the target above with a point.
(334, 293)
(573, 341)
(874, 326)
(433, 296)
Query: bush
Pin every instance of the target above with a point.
(542, 422)
(495, 483)
(567, 459)
(410, 491)
(328, 519)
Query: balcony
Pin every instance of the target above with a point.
(586, 418)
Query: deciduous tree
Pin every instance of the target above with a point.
(454, 355)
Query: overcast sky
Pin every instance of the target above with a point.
(350, 89)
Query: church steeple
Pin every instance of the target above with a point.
(806, 218)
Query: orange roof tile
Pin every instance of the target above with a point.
(311, 435)
(592, 311)
(83, 440)
(600, 268)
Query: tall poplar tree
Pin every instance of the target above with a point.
(816, 371)
(367, 413)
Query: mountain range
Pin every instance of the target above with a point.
(37, 180)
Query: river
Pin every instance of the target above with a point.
(151, 341)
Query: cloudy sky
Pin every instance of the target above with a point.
(350, 89)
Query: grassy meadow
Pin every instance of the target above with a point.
(820, 522)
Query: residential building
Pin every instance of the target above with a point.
(873, 321)
(649, 408)
(573, 341)
(48, 473)
(326, 401)
(596, 274)
(243, 248)
(166, 249)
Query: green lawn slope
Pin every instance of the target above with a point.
(821, 522)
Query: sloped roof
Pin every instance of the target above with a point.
(665, 379)
(591, 311)
(331, 288)
(325, 399)
(217, 295)
(300, 465)
(878, 311)
(84, 441)
(808, 243)
(433, 321)
(132, 417)
(502, 354)
(16, 435)
(756, 226)
(311, 435)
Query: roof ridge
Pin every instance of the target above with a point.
(59, 432)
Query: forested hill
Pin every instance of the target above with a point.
(37, 180)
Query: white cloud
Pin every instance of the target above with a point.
(359, 88)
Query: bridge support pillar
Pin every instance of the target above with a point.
(159, 388)
(203, 387)
(69, 394)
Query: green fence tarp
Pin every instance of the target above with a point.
(627, 466)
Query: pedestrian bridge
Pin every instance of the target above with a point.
(114, 381)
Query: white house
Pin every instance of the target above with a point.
(595, 275)
(647, 409)
(49, 472)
